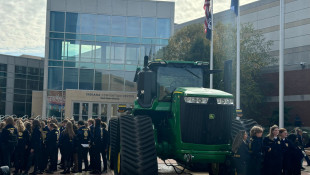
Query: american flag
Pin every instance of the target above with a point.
(207, 22)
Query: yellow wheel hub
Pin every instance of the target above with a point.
(119, 162)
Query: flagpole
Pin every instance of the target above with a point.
(238, 61)
(211, 49)
(281, 66)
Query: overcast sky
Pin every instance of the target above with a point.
(22, 22)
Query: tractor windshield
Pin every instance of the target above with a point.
(169, 78)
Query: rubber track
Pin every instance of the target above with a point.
(242, 124)
(114, 140)
(138, 152)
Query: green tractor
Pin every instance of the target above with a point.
(174, 117)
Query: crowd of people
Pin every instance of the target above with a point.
(36, 143)
(279, 153)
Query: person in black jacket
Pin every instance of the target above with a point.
(295, 155)
(8, 141)
(83, 139)
(256, 151)
(52, 147)
(92, 155)
(96, 145)
(286, 146)
(273, 152)
(241, 152)
(35, 147)
(23, 139)
(66, 142)
(2, 125)
(28, 132)
(44, 153)
(104, 148)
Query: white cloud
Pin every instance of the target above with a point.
(22, 22)
(22, 26)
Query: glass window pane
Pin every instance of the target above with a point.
(146, 50)
(20, 83)
(19, 109)
(72, 23)
(133, 26)
(76, 108)
(103, 38)
(87, 23)
(86, 79)
(2, 108)
(148, 27)
(118, 53)
(102, 79)
(163, 28)
(104, 112)
(87, 51)
(87, 65)
(85, 111)
(33, 85)
(103, 25)
(73, 50)
(133, 40)
(70, 78)
(20, 70)
(117, 81)
(56, 49)
(2, 82)
(117, 66)
(132, 54)
(70, 64)
(56, 35)
(19, 97)
(33, 71)
(103, 52)
(130, 85)
(95, 111)
(118, 23)
(57, 21)
(55, 78)
(3, 67)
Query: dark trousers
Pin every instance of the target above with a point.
(104, 159)
(19, 159)
(67, 157)
(7, 152)
(44, 158)
(96, 158)
(82, 154)
(53, 155)
(34, 157)
(92, 157)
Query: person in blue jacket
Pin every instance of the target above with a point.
(66, 142)
(52, 138)
(256, 151)
(273, 159)
(240, 149)
(9, 141)
(35, 148)
(23, 139)
(83, 140)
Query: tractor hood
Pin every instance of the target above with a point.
(201, 92)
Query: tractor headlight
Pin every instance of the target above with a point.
(225, 101)
(199, 100)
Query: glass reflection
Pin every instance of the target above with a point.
(56, 49)
(103, 25)
(103, 51)
(117, 81)
(72, 50)
(55, 78)
(133, 26)
(87, 51)
(118, 23)
(132, 54)
(70, 78)
(148, 27)
(130, 85)
(57, 21)
(86, 79)
(72, 22)
(87, 23)
(102, 79)
(118, 53)
(163, 28)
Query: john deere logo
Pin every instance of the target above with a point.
(211, 116)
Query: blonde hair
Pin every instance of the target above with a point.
(20, 126)
(10, 121)
(2, 125)
(272, 128)
(256, 129)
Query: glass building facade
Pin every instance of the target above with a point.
(3, 77)
(92, 51)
